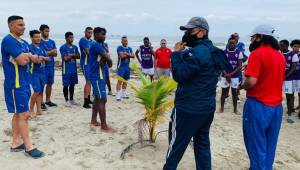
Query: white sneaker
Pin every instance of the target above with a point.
(68, 104)
(72, 102)
(119, 95)
(125, 94)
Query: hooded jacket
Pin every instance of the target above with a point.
(196, 71)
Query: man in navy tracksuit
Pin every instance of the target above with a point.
(196, 70)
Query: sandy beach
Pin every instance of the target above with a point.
(65, 136)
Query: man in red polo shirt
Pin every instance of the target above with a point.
(263, 109)
(162, 60)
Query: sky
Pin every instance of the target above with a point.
(155, 17)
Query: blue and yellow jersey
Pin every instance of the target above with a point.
(38, 68)
(83, 44)
(68, 67)
(48, 45)
(15, 75)
(97, 51)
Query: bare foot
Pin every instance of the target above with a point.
(32, 115)
(41, 113)
(95, 124)
(107, 129)
(237, 112)
(220, 111)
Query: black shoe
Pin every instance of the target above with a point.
(299, 115)
(44, 107)
(50, 104)
(87, 106)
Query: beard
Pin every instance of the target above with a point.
(254, 45)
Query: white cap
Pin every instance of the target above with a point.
(264, 30)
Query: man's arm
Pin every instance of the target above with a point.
(292, 70)
(137, 55)
(238, 68)
(249, 83)
(252, 71)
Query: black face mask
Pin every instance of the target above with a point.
(254, 45)
(189, 39)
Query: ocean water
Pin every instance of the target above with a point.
(114, 41)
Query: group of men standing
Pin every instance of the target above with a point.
(32, 66)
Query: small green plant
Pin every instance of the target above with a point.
(154, 97)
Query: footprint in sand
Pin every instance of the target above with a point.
(8, 132)
(295, 156)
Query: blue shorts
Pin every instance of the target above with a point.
(124, 73)
(106, 71)
(49, 75)
(261, 126)
(70, 79)
(86, 72)
(99, 89)
(17, 99)
(38, 82)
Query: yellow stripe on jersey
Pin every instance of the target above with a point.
(17, 79)
(31, 69)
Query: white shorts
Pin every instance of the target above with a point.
(296, 86)
(235, 82)
(148, 71)
(288, 87)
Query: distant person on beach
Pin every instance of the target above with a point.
(98, 55)
(196, 71)
(291, 60)
(145, 54)
(125, 53)
(230, 77)
(295, 45)
(69, 54)
(37, 71)
(50, 47)
(262, 115)
(16, 59)
(84, 45)
(162, 61)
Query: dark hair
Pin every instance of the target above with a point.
(232, 37)
(43, 27)
(67, 34)
(88, 28)
(285, 42)
(123, 37)
(295, 42)
(146, 38)
(32, 32)
(269, 40)
(99, 30)
(13, 18)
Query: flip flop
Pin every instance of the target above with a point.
(18, 149)
(35, 153)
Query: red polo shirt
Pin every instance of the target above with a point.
(268, 66)
(163, 58)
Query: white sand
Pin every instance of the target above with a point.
(65, 136)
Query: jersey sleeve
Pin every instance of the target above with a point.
(63, 51)
(254, 66)
(13, 48)
(99, 50)
(54, 45)
(295, 58)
